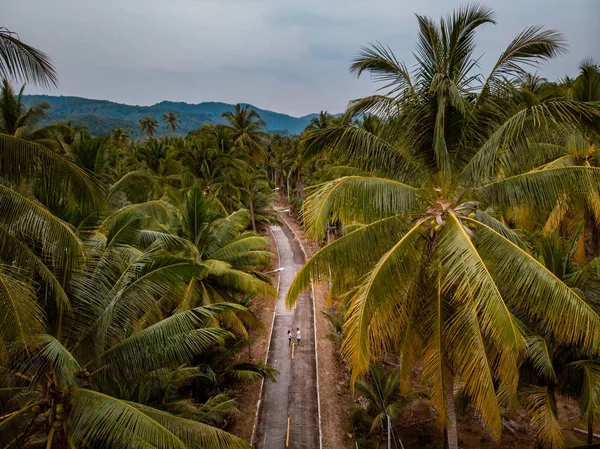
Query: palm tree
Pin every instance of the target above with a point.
(16, 119)
(552, 367)
(22, 62)
(257, 195)
(229, 256)
(247, 128)
(75, 377)
(202, 162)
(383, 392)
(154, 154)
(120, 137)
(171, 119)
(441, 276)
(322, 121)
(149, 125)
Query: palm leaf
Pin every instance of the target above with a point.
(106, 421)
(20, 159)
(544, 421)
(347, 258)
(356, 198)
(56, 238)
(20, 314)
(23, 62)
(379, 308)
(533, 289)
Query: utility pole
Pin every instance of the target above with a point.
(389, 432)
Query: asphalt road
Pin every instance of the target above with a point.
(294, 395)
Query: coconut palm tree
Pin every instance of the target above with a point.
(24, 63)
(73, 378)
(322, 121)
(382, 390)
(18, 120)
(433, 271)
(154, 153)
(149, 125)
(257, 196)
(247, 128)
(171, 119)
(120, 137)
(552, 367)
(230, 256)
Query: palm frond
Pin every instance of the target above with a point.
(106, 421)
(23, 62)
(193, 433)
(56, 238)
(23, 256)
(22, 317)
(347, 258)
(497, 153)
(533, 289)
(170, 342)
(544, 421)
(379, 308)
(51, 356)
(356, 198)
(539, 355)
(20, 159)
(542, 189)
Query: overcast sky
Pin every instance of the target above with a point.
(284, 55)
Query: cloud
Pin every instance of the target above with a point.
(291, 56)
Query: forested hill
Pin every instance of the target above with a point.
(101, 116)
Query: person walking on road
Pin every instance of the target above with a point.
(289, 337)
(298, 337)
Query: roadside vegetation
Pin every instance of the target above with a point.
(458, 218)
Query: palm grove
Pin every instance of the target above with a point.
(465, 209)
(127, 276)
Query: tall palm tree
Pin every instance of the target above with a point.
(24, 63)
(171, 119)
(228, 257)
(247, 128)
(149, 125)
(120, 137)
(433, 272)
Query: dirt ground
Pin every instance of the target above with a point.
(248, 394)
(418, 428)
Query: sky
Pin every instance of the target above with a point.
(284, 55)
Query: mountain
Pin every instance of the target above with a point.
(102, 116)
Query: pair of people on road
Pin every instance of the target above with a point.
(298, 337)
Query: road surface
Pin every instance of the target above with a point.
(294, 395)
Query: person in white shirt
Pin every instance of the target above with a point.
(298, 337)
(289, 337)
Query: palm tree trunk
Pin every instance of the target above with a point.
(590, 430)
(451, 431)
(252, 214)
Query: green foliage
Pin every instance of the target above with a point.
(126, 270)
(435, 189)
